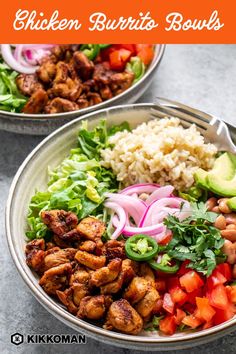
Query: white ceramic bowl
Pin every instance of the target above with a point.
(43, 124)
(33, 175)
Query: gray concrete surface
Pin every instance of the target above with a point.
(203, 76)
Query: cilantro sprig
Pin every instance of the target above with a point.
(196, 239)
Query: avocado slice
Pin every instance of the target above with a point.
(220, 186)
(232, 203)
(224, 167)
(200, 177)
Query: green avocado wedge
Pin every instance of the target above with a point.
(220, 186)
(232, 203)
(224, 168)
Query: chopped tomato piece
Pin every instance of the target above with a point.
(216, 278)
(180, 314)
(204, 310)
(183, 268)
(207, 325)
(192, 296)
(224, 315)
(160, 285)
(178, 295)
(146, 55)
(190, 308)
(168, 325)
(106, 52)
(218, 297)
(191, 281)
(119, 58)
(231, 292)
(173, 282)
(192, 321)
(130, 47)
(225, 269)
(168, 303)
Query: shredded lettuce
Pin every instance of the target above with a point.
(10, 98)
(78, 184)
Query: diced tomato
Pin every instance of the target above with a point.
(226, 270)
(173, 282)
(130, 47)
(119, 58)
(224, 315)
(158, 307)
(146, 55)
(192, 296)
(191, 321)
(216, 278)
(167, 239)
(178, 295)
(208, 325)
(106, 52)
(191, 281)
(190, 308)
(167, 325)
(218, 297)
(231, 293)
(183, 268)
(160, 285)
(168, 303)
(179, 316)
(204, 310)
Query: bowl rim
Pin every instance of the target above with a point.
(57, 310)
(159, 52)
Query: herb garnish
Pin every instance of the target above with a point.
(196, 239)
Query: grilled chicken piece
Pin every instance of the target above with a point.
(72, 296)
(59, 221)
(123, 317)
(94, 307)
(107, 274)
(121, 82)
(93, 98)
(145, 306)
(105, 92)
(114, 249)
(125, 276)
(91, 229)
(71, 89)
(55, 257)
(36, 102)
(90, 260)
(136, 290)
(80, 275)
(34, 251)
(83, 65)
(61, 243)
(82, 103)
(37, 244)
(59, 105)
(147, 273)
(88, 246)
(56, 278)
(62, 72)
(47, 71)
(66, 297)
(102, 73)
(27, 84)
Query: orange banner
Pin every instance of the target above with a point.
(126, 21)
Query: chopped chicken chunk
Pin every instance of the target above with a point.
(56, 278)
(106, 274)
(91, 229)
(94, 307)
(36, 102)
(136, 290)
(145, 306)
(123, 317)
(59, 221)
(90, 260)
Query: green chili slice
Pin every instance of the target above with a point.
(141, 247)
(136, 66)
(90, 50)
(164, 265)
(104, 46)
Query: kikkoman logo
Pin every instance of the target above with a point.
(18, 338)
